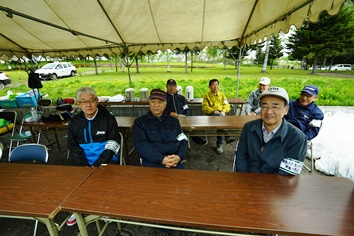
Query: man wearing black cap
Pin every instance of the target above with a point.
(177, 106)
(304, 113)
(158, 137)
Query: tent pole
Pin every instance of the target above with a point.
(238, 70)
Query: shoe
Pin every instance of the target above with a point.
(219, 150)
(230, 139)
(199, 140)
(71, 221)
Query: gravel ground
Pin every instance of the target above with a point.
(201, 157)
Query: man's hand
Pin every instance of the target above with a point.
(174, 114)
(171, 161)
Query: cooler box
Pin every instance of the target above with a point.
(8, 103)
(27, 99)
(144, 94)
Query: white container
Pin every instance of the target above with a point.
(129, 94)
(189, 93)
(34, 114)
(144, 94)
(179, 90)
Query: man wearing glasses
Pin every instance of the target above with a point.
(271, 144)
(93, 136)
(304, 113)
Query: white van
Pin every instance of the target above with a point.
(56, 70)
(341, 67)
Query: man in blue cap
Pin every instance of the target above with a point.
(304, 113)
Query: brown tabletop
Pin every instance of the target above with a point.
(194, 101)
(240, 202)
(123, 122)
(237, 101)
(214, 122)
(36, 190)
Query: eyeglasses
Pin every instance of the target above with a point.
(87, 102)
(305, 95)
(272, 108)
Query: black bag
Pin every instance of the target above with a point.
(65, 107)
(60, 101)
(55, 117)
(34, 81)
(62, 106)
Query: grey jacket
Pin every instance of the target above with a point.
(252, 103)
(288, 142)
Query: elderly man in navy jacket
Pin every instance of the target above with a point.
(177, 106)
(158, 137)
(304, 113)
(271, 144)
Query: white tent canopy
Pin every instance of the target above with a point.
(98, 27)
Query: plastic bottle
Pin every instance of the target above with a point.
(34, 114)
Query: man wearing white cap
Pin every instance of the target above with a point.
(271, 144)
(252, 103)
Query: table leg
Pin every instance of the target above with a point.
(51, 226)
(81, 224)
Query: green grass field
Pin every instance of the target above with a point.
(335, 90)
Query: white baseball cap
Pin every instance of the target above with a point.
(276, 91)
(265, 81)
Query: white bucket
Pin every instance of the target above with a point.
(179, 90)
(129, 94)
(144, 94)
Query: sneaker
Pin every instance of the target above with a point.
(230, 139)
(71, 221)
(219, 150)
(199, 140)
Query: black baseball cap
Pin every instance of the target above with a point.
(171, 82)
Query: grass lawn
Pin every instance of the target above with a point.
(335, 90)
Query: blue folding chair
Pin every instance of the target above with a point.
(29, 152)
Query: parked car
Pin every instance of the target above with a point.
(56, 70)
(4, 80)
(341, 67)
(320, 67)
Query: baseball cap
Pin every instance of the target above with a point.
(276, 91)
(171, 81)
(265, 81)
(158, 94)
(310, 89)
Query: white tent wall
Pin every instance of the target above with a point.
(90, 27)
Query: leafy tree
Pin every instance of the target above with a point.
(275, 50)
(330, 37)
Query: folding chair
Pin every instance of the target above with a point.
(44, 104)
(312, 161)
(31, 152)
(234, 162)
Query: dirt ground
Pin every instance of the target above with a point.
(201, 157)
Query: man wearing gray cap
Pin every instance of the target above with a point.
(271, 144)
(252, 103)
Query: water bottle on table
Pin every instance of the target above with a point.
(34, 114)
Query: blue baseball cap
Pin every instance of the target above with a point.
(310, 89)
